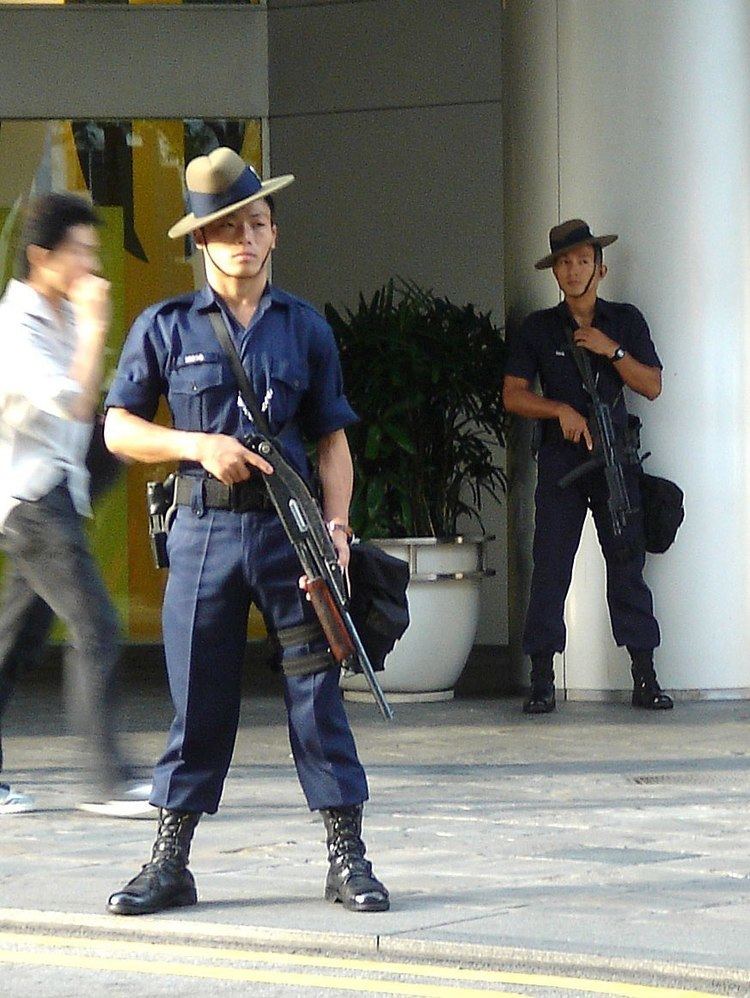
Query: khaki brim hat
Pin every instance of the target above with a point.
(566, 236)
(218, 184)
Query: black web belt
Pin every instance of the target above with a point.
(244, 497)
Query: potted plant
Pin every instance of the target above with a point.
(425, 377)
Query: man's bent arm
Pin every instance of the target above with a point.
(336, 475)
(640, 377)
(521, 400)
(131, 436)
(337, 481)
(89, 297)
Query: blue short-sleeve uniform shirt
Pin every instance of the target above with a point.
(540, 348)
(288, 351)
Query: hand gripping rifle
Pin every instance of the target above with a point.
(300, 516)
(308, 534)
(608, 452)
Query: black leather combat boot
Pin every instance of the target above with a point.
(350, 879)
(164, 882)
(541, 699)
(646, 690)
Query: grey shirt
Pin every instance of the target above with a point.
(41, 444)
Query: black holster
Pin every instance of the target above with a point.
(160, 502)
(632, 441)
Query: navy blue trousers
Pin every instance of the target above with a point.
(560, 515)
(220, 562)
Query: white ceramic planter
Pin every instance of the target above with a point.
(443, 598)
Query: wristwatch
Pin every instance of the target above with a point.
(337, 525)
(618, 354)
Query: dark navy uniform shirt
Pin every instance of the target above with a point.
(540, 347)
(288, 351)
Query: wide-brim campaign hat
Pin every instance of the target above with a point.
(568, 235)
(218, 184)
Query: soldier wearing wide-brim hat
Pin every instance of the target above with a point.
(219, 184)
(618, 344)
(227, 546)
(568, 236)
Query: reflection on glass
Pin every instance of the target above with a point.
(107, 3)
(133, 171)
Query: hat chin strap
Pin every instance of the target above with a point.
(597, 263)
(233, 276)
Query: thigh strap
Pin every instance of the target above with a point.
(308, 662)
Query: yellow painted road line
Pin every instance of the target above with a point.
(161, 968)
(434, 971)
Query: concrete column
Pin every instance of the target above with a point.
(530, 181)
(652, 123)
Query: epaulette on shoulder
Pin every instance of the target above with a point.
(295, 301)
(163, 308)
(621, 306)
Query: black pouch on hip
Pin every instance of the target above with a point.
(663, 505)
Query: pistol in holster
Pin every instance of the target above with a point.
(160, 502)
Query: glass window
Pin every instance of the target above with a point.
(105, 3)
(133, 171)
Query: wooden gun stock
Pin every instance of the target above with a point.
(337, 636)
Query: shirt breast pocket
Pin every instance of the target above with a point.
(198, 395)
(288, 383)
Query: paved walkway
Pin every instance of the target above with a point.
(598, 840)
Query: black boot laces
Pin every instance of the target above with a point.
(173, 837)
(346, 852)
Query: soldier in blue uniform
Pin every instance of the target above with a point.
(227, 547)
(622, 353)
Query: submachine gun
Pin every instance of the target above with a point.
(608, 453)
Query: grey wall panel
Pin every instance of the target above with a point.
(416, 193)
(389, 113)
(312, 3)
(383, 53)
(171, 61)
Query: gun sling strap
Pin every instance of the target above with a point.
(246, 389)
(298, 665)
(583, 362)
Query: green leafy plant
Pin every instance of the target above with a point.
(425, 377)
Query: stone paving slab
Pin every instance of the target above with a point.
(597, 834)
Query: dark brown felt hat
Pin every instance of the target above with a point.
(568, 235)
